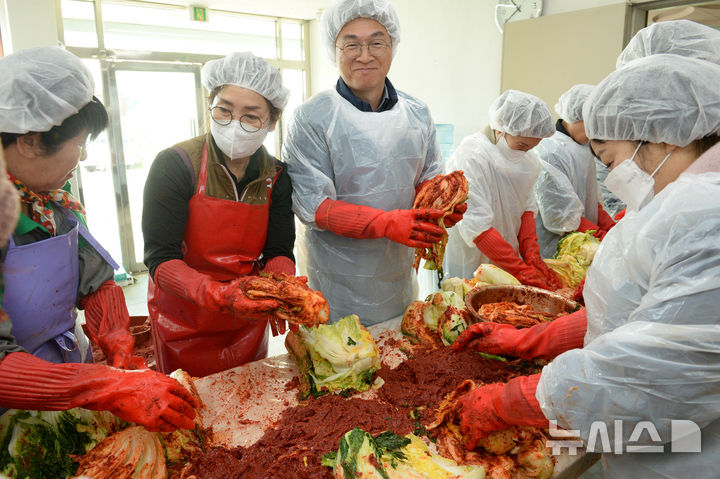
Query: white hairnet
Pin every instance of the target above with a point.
(660, 98)
(245, 70)
(678, 37)
(521, 114)
(570, 103)
(343, 11)
(40, 88)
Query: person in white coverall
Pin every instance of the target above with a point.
(499, 224)
(567, 192)
(356, 155)
(647, 349)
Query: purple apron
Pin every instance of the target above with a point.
(41, 288)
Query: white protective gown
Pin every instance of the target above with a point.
(500, 191)
(333, 150)
(652, 349)
(566, 190)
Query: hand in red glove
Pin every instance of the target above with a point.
(495, 407)
(605, 222)
(457, 214)
(587, 225)
(414, 228)
(530, 251)
(145, 397)
(108, 324)
(543, 341)
(277, 265)
(494, 246)
(176, 277)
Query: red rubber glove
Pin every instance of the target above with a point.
(277, 265)
(530, 250)
(604, 221)
(494, 246)
(144, 397)
(176, 277)
(587, 225)
(414, 228)
(542, 341)
(108, 324)
(457, 214)
(495, 407)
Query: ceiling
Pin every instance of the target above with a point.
(303, 9)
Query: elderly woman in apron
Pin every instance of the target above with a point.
(52, 264)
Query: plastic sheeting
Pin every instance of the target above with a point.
(653, 339)
(500, 191)
(333, 150)
(566, 189)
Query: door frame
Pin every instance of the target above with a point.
(109, 68)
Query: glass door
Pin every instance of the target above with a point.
(152, 106)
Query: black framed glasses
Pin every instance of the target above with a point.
(352, 50)
(223, 116)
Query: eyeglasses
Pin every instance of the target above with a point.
(223, 116)
(353, 50)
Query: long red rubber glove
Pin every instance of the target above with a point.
(542, 341)
(145, 397)
(493, 245)
(176, 277)
(605, 222)
(108, 324)
(495, 407)
(530, 250)
(414, 228)
(277, 265)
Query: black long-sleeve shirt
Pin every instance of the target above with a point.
(169, 186)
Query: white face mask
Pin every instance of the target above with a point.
(236, 142)
(509, 153)
(631, 184)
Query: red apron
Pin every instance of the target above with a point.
(224, 239)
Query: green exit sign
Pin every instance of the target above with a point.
(199, 14)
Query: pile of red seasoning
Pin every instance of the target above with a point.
(293, 447)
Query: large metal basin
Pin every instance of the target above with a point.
(538, 299)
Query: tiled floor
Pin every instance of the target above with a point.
(136, 299)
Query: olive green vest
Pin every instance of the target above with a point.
(219, 183)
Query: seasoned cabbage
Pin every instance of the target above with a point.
(389, 456)
(341, 356)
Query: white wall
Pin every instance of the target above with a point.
(450, 60)
(27, 24)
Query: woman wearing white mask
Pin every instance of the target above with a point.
(499, 225)
(644, 354)
(217, 209)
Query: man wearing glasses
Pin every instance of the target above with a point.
(356, 155)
